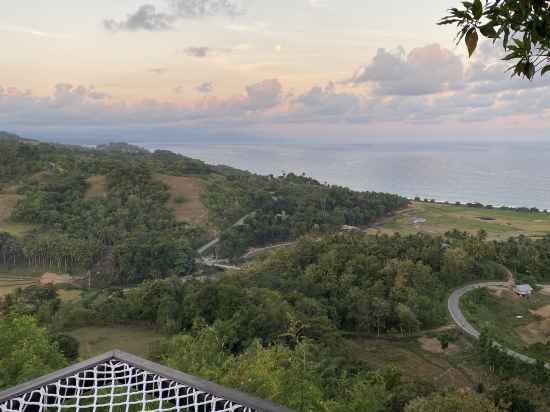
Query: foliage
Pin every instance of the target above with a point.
(289, 206)
(522, 26)
(27, 351)
(453, 402)
(297, 376)
(68, 346)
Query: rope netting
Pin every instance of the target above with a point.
(116, 386)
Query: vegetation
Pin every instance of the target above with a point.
(512, 321)
(523, 28)
(131, 233)
(27, 351)
(498, 223)
(300, 325)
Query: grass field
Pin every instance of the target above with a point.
(189, 189)
(12, 278)
(97, 340)
(441, 218)
(520, 324)
(455, 368)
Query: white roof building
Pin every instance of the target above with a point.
(524, 290)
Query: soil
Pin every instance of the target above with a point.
(55, 278)
(539, 331)
(433, 345)
(97, 188)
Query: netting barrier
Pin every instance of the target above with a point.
(117, 386)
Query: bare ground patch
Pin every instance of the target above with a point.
(539, 331)
(97, 188)
(535, 332)
(502, 292)
(433, 345)
(55, 278)
(543, 312)
(185, 198)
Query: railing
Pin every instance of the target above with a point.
(118, 381)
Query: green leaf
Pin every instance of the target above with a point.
(478, 9)
(530, 71)
(488, 31)
(545, 70)
(471, 41)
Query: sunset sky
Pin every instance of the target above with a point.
(292, 69)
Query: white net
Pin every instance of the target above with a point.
(116, 386)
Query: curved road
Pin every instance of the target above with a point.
(453, 304)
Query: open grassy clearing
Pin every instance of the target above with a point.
(522, 324)
(97, 187)
(95, 340)
(69, 295)
(441, 218)
(185, 198)
(456, 367)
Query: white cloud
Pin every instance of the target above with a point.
(425, 70)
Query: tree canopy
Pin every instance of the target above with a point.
(521, 26)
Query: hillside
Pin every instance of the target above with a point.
(73, 209)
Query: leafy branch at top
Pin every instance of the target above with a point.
(523, 27)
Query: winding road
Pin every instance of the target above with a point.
(453, 304)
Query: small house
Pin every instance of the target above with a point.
(523, 290)
(419, 221)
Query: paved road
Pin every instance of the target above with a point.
(453, 304)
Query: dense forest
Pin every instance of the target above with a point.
(282, 328)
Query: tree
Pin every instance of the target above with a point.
(521, 26)
(27, 351)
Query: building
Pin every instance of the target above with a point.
(523, 290)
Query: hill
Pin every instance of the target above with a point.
(74, 208)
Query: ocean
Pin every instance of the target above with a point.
(510, 173)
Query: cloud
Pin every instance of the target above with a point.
(197, 51)
(326, 102)
(263, 95)
(158, 70)
(147, 18)
(425, 70)
(201, 52)
(32, 32)
(205, 8)
(206, 87)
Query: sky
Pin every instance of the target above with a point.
(233, 70)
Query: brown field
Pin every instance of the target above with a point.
(190, 189)
(422, 359)
(97, 188)
(538, 331)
